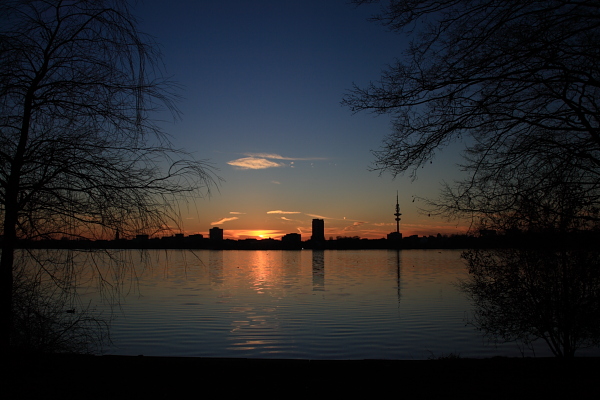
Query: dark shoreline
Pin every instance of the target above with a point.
(99, 377)
(483, 239)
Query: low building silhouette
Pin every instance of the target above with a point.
(291, 241)
(292, 238)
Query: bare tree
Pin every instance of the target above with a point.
(542, 281)
(511, 79)
(536, 293)
(48, 316)
(80, 155)
(518, 82)
(553, 193)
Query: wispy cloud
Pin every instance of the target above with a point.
(223, 220)
(276, 182)
(254, 163)
(265, 160)
(318, 216)
(279, 157)
(236, 213)
(283, 212)
(354, 226)
(292, 220)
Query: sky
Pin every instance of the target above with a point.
(261, 88)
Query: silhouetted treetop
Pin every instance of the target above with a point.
(513, 76)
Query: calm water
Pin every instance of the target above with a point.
(374, 304)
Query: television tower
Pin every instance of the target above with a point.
(397, 214)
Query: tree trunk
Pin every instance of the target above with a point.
(6, 284)
(9, 228)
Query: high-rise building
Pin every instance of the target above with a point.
(318, 230)
(216, 233)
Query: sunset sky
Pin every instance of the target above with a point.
(262, 83)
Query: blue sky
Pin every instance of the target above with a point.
(262, 83)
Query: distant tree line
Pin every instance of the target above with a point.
(485, 239)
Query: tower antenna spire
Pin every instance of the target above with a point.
(397, 214)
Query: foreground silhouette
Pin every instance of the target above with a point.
(80, 155)
(537, 293)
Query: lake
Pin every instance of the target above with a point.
(344, 304)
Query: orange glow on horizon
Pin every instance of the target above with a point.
(241, 234)
(365, 233)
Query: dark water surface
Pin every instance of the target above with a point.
(363, 304)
